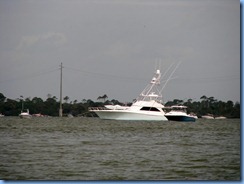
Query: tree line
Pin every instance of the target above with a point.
(50, 106)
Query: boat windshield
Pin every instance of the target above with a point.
(179, 108)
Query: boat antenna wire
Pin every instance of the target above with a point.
(167, 70)
(170, 76)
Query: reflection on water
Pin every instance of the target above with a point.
(94, 149)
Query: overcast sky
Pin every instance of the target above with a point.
(111, 47)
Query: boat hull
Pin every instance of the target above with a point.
(220, 117)
(25, 115)
(128, 115)
(180, 118)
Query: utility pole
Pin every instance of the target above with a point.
(61, 75)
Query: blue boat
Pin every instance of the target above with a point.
(178, 113)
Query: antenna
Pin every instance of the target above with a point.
(170, 75)
(22, 99)
(158, 64)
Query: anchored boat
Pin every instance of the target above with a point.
(178, 113)
(148, 106)
(25, 114)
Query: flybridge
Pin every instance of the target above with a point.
(152, 91)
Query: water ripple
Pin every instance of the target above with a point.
(94, 149)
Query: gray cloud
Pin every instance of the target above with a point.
(51, 38)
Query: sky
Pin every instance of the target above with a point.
(112, 47)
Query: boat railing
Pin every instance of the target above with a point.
(97, 108)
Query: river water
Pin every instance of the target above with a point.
(94, 149)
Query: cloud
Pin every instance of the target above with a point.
(50, 38)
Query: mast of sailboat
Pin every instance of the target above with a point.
(22, 103)
(60, 105)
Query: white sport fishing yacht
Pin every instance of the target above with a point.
(148, 106)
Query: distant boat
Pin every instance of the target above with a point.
(25, 115)
(220, 117)
(148, 105)
(178, 113)
(70, 116)
(208, 116)
(1, 115)
(37, 115)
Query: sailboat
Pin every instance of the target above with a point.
(24, 114)
(148, 106)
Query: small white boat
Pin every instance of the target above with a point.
(208, 116)
(38, 115)
(220, 117)
(1, 115)
(178, 113)
(25, 114)
(148, 105)
(70, 116)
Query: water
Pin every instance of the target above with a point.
(94, 149)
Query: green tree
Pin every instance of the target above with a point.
(66, 99)
(38, 105)
(236, 110)
(51, 107)
(104, 97)
(11, 108)
(2, 98)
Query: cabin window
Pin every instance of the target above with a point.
(149, 109)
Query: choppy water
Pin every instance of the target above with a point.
(94, 149)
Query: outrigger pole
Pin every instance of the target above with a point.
(60, 106)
